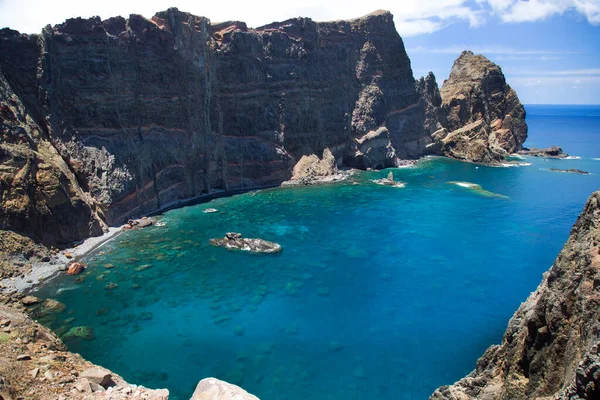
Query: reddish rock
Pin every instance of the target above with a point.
(75, 268)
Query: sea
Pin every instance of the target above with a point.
(379, 293)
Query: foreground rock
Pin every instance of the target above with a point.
(550, 152)
(570, 171)
(214, 389)
(551, 347)
(235, 241)
(481, 118)
(36, 365)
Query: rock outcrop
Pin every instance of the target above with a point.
(35, 364)
(481, 119)
(551, 347)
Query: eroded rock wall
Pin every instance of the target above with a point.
(551, 347)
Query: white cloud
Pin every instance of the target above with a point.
(534, 10)
(486, 50)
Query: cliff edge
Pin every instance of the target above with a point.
(551, 348)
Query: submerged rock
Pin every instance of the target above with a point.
(52, 306)
(75, 268)
(389, 181)
(235, 241)
(80, 332)
(477, 189)
(570, 170)
(550, 152)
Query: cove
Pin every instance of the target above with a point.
(379, 292)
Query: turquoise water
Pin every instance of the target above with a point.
(379, 293)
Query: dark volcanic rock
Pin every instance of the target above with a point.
(550, 152)
(145, 113)
(235, 241)
(482, 118)
(571, 171)
(103, 121)
(550, 348)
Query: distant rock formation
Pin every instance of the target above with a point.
(551, 348)
(481, 119)
(550, 152)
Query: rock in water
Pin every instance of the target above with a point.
(550, 152)
(550, 349)
(75, 268)
(481, 118)
(389, 181)
(214, 389)
(235, 241)
(571, 171)
(80, 332)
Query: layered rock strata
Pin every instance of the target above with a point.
(481, 118)
(551, 347)
(102, 121)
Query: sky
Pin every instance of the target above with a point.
(549, 50)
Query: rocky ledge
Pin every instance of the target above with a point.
(550, 152)
(551, 347)
(235, 241)
(36, 365)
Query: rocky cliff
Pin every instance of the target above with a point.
(105, 120)
(551, 349)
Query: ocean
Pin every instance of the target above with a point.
(379, 292)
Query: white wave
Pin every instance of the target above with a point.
(572, 158)
(517, 156)
(466, 185)
(160, 223)
(515, 164)
(596, 159)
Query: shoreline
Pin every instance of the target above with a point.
(43, 271)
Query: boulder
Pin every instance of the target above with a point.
(235, 241)
(98, 376)
(389, 181)
(30, 300)
(215, 389)
(75, 268)
(570, 170)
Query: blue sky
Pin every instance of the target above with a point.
(548, 49)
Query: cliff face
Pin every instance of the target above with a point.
(551, 348)
(118, 118)
(481, 118)
(144, 113)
